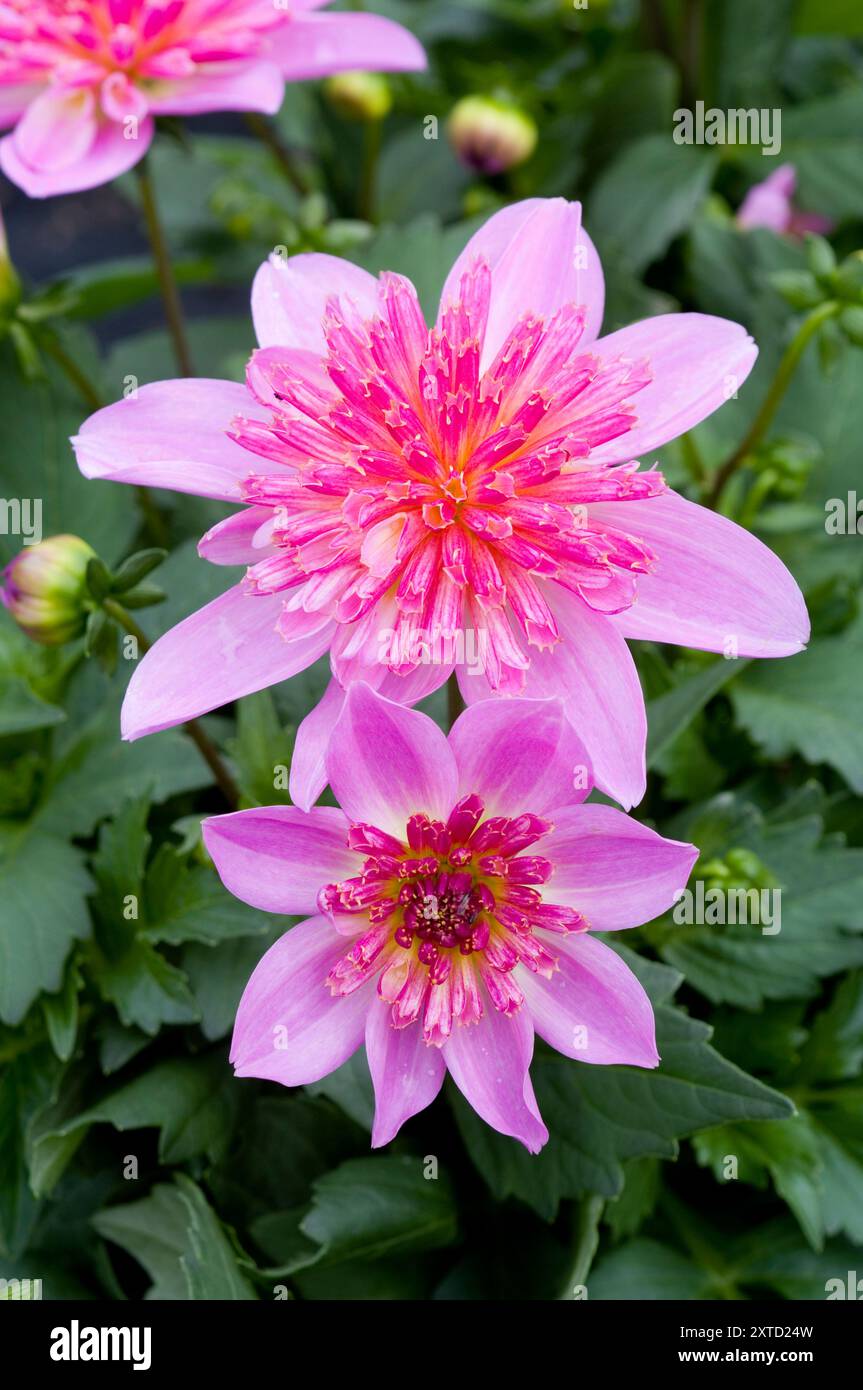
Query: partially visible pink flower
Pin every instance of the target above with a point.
(473, 486)
(455, 897)
(81, 80)
(771, 204)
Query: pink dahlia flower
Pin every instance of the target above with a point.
(418, 500)
(771, 204)
(455, 896)
(81, 80)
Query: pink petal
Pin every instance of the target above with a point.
(224, 651)
(315, 45)
(489, 1062)
(697, 363)
(289, 1027)
(519, 755)
(768, 204)
(278, 857)
(385, 763)
(613, 869)
(106, 155)
(171, 434)
(57, 129)
(715, 585)
(14, 101)
(289, 297)
(308, 762)
(593, 1007)
(241, 539)
(406, 1072)
(255, 86)
(541, 258)
(593, 672)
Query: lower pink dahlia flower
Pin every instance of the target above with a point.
(771, 204)
(456, 894)
(466, 496)
(82, 80)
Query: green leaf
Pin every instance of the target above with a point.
(175, 1234)
(787, 1150)
(820, 897)
(261, 747)
(644, 1270)
(26, 1084)
(209, 1260)
(598, 1117)
(21, 709)
(372, 1207)
(646, 198)
(189, 903)
(192, 1102)
(43, 912)
(670, 714)
(146, 990)
(809, 704)
(61, 1013)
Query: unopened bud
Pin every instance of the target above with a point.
(44, 589)
(359, 96)
(491, 136)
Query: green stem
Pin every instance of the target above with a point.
(79, 379)
(366, 196)
(165, 271)
(454, 701)
(585, 1240)
(264, 131)
(201, 740)
(785, 371)
(692, 458)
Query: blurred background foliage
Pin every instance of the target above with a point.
(113, 1032)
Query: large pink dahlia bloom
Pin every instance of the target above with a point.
(408, 488)
(81, 80)
(455, 895)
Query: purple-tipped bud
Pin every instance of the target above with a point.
(491, 136)
(44, 588)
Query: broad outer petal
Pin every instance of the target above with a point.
(519, 755)
(278, 857)
(308, 762)
(714, 586)
(289, 1027)
(489, 1062)
(385, 762)
(593, 671)
(254, 86)
(289, 297)
(616, 871)
(697, 363)
(224, 651)
(316, 45)
(541, 258)
(407, 1074)
(593, 1008)
(107, 155)
(171, 434)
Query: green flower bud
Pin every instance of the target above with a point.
(45, 586)
(359, 96)
(491, 136)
